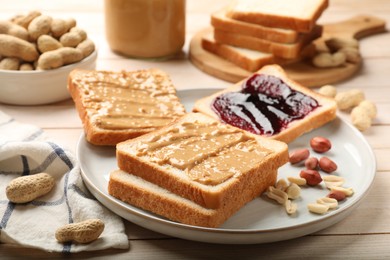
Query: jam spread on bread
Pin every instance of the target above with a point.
(265, 105)
(209, 153)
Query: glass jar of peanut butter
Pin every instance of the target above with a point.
(145, 28)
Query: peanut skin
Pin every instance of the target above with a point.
(7, 27)
(61, 26)
(320, 144)
(329, 60)
(57, 58)
(299, 155)
(39, 26)
(349, 99)
(47, 43)
(81, 232)
(73, 38)
(327, 165)
(25, 20)
(312, 177)
(27, 188)
(86, 47)
(12, 46)
(9, 64)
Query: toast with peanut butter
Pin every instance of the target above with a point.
(270, 104)
(116, 106)
(212, 164)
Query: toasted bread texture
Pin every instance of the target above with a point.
(325, 112)
(297, 15)
(203, 160)
(221, 20)
(249, 60)
(116, 106)
(281, 50)
(148, 196)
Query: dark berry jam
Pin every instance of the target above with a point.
(265, 105)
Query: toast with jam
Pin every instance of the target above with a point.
(270, 104)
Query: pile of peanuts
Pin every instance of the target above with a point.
(283, 192)
(339, 52)
(39, 42)
(362, 111)
(27, 188)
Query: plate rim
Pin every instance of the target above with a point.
(145, 215)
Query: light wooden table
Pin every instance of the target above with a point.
(365, 234)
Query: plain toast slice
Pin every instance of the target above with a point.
(249, 60)
(148, 196)
(297, 15)
(281, 50)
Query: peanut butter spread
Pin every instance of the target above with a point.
(209, 153)
(129, 100)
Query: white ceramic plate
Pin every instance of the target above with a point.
(261, 220)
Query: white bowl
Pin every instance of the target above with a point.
(39, 87)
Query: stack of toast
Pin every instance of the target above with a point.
(254, 33)
(196, 171)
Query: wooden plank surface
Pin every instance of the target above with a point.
(365, 234)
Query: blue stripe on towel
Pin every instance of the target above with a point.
(40, 168)
(62, 155)
(11, 206)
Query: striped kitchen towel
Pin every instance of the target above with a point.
(24, 150)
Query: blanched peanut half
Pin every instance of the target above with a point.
(281, 184)
(347, 191)
(333, 181)
(330, 202)
(293, 191)
(278, 195)
(317, 208)
(290, 207)
(297, 180)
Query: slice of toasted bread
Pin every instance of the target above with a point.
(325, 112)
(116, 106)
(249, 60)
(220, 20)
(297, 15)
(148, 196)
(281, 50)
(205, 161)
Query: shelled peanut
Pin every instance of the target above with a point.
(39, 42)
(316, 173)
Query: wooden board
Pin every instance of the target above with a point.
(303, 72)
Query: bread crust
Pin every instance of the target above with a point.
(95, 134)
(276, 19)
(249, 60)
(220, 20)
(244, 187)
(315, 119)
(281, 50)
(145, 195)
